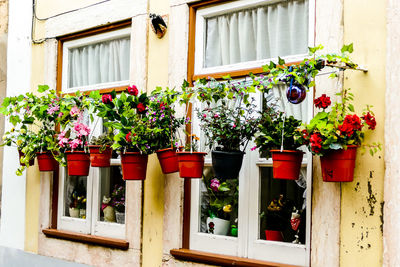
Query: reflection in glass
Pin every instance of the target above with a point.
(282, 208)
(219, 205)
(75, 196)
(112, 195)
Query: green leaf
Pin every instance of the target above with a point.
(281, 61)
(43, 88)
(347, 48)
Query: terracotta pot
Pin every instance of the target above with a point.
(46, 161)
(100, 158)
(191, 164)
(78, 163)
(273, 235)
(286, 164)
(338, 165)
(31, 162)
(227, 165)
(134, 165)
(168, 160)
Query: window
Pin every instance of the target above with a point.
(96, 60)
(239, 37)
(93, 204)
(247, 34)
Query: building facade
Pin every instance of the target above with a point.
(346, 224)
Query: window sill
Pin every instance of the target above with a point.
(87, 239)
(221, 260)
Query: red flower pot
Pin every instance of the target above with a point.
(100, 158)
(46, 161)
(338, 165)
(168, 160)
(31, 162)
(286, 164)
(134, 165)
(78, 163)
(273, 235)
(191, 164)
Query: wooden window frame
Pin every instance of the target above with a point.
(185, 253)
(98, 30)
(52, 231)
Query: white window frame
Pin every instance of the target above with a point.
(247, 243)
(92, 224)
(203, 13)
(102, 37)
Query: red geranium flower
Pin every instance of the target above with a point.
(128, 137)
(132, 90)
(350, 124)
(107, 98)
(322, 101)
(141, 108)
(369, 120)
(315, 142)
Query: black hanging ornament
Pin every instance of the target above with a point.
(295, 93)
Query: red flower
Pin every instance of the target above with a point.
(322, 101)
(315, 142)
(107, 98)
(141, 108)
(369, 120)
(132, 90)
(305, 136)
(350, 124)
(162, 105)
(128, 137)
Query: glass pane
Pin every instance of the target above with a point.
(112, 195)
(101, 62)
(282, 208)
(218, 205)
(75, 196)
(262, 32)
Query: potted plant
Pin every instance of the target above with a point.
(335, 135)
(280, 137)
(299, 77)
(77, 207)
(100, 150)
(277, 218)
(161, 112)
(134, 138)
(190, 161)
(118, 202)
(43, 112)
(222, 205)
(74, 136)
(229, 121)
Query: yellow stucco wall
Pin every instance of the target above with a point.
(153, 207)
(33, 174)
(362, 200)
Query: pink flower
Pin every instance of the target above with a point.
(74, 111)
(52, 109)
(75, 143)
(60, 114)
(61, 135)
(215, 184)
(204, 115)
(253, 148)
(62, 142)
(234, 125)
(81, 129)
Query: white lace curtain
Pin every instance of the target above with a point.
(258, 33)
(99, 63)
